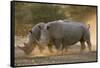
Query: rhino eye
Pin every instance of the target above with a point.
(30, 31)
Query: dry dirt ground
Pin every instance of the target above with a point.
(37, 58)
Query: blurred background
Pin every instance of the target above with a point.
(29, 14)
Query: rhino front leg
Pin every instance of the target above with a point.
(64, 48)
(41, 48)
(50, 47)
(57, 44)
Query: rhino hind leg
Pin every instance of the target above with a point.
(89, 45)
(82, 46)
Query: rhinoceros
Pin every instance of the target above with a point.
(65, 33)
(33, 38)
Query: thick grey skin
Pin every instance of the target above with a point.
(33, 38)
(65, 34)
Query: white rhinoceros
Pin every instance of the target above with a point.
(65, 33)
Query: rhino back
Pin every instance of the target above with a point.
(69, 32)
(73, 32)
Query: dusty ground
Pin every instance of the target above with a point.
(37, 58)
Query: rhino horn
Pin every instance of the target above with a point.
(22, 48)
(88, 26)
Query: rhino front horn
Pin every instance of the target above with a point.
(22, 48)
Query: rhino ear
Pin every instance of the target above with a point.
(39, 27)
(48, 27)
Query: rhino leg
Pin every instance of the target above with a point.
(40, 48)
(82, 45)
(64, 48)
(58, 44)
(50, 47)
(89, 45)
